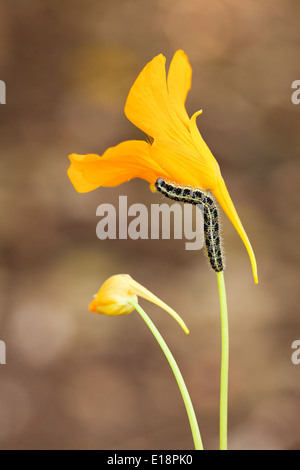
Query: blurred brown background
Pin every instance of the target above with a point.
(78, 380)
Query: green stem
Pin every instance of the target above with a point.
(184, 392)
(224, 362)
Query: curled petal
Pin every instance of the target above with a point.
(129, 159)
(77, 169)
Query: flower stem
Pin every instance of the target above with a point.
(224, 362)
(182, 387)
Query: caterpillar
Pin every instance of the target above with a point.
(211, 219)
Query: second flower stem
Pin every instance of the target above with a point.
(181, 384)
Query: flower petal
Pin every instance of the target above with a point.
(141, 291)
(201, 145)
(184, 164)
(221, 194)
(114, 296)
(179, 83)
(189, 163)
(149, 106)
(116, 293)
(129, 159)
(76, 173)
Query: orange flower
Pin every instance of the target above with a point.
(117, 293)
(178, 153)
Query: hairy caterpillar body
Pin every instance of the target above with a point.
(211, 219)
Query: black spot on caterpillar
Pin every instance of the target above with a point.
(211, 219)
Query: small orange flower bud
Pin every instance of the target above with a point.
(114, 296)
(119, 293)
